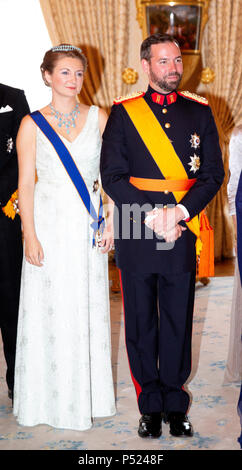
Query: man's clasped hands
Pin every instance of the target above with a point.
(165, 222)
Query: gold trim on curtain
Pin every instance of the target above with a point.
(222, 53)
(100, 28)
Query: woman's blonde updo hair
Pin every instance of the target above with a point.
(52, 56)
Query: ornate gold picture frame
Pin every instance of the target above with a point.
(185, 20)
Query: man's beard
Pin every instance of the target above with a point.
(164, 84)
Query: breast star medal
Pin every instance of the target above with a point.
(9, 145)
(195, 140)
(194, 163)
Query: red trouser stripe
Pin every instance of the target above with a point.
(136, 384)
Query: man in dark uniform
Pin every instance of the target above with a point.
(13, 107)
(161, 156)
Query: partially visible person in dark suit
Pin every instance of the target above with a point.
(13, 107)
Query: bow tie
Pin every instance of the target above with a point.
(164, 99)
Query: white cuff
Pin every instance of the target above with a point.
(185, 211)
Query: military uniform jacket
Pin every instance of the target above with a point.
(190, 126)
(13, 107)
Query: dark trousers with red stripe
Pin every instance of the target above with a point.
(158, 311)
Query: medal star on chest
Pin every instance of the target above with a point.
(9, 145)
(194, 163)
(195, 141)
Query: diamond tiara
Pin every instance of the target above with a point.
(66, 48)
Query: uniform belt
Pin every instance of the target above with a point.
(149, 184)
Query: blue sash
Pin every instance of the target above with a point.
(238, 203)
(72, 170)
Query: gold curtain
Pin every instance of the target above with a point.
(222, 53)
(100, 28)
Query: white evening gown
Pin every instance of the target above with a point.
(63, 373)
(233, 371)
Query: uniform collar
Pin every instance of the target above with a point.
(162, 98)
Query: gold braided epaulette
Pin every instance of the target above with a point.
(132, 96)
(194, 97)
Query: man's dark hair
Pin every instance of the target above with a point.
(145, 49)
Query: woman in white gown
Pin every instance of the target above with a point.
(233, 371)
(63, 373)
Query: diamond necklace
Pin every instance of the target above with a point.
(65, 119)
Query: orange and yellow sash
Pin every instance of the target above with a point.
(158, 144)
(11, 208)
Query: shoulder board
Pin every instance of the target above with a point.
(194, 97)
(132, 96)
